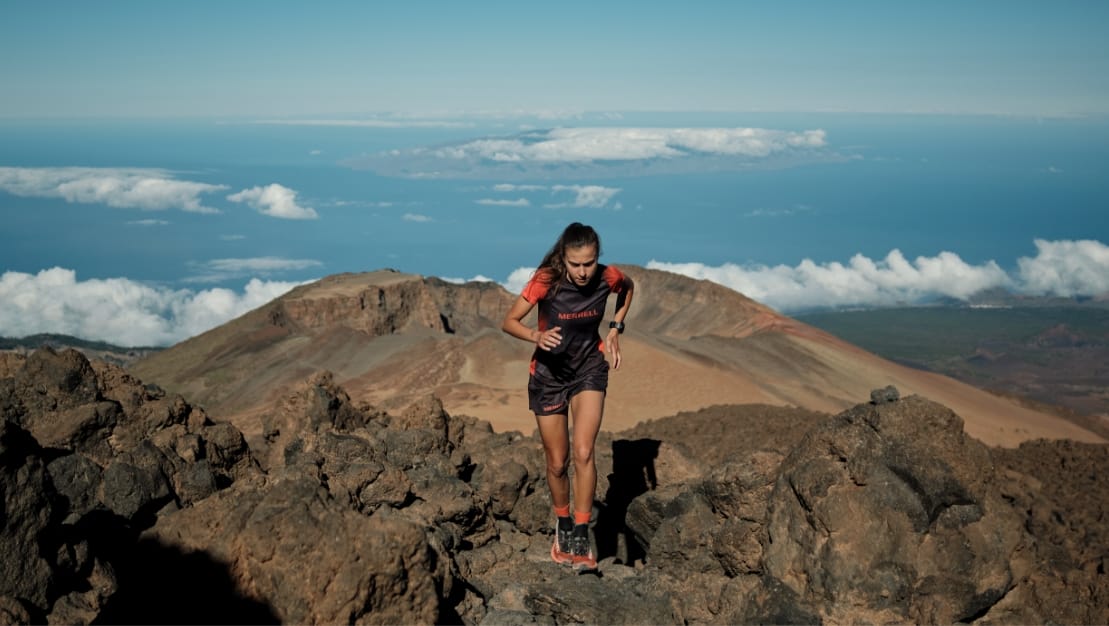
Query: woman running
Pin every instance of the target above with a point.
(569, 373)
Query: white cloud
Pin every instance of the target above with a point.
(623, 144)
(476, 279)
(125, 188)
(780, 212)
(118, 310)
(862, 281)
(603, 151)
(148, 223)
(276, 201)
(218, 270)
(262, 264)
(232, 237)
(586, 196)
(517, 279)
(507, 187)
(495, 202)
(1064, 268)
(416, 217)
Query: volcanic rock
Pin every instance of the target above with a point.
(308, 557)
(25, 526)
(890, 512)
(89, 457)
(730, 514)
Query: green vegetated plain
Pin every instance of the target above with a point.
(929, 336)
(1052, 355)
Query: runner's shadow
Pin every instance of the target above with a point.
(161, 584)
(633, 474)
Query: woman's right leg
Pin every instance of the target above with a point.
(554, 431)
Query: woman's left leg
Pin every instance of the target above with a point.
(587, 408)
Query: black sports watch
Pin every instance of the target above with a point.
(619, 326)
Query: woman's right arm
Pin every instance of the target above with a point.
(514, 326)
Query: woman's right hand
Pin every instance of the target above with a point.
(549, 339)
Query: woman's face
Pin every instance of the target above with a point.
(581, 263)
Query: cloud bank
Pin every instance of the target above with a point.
(129, 313)
(1059, 268)
(1066, 268)
(631, 144)
(219, 270)
(118, 310)
(124, 188)
(604, 150)
(518, 202)
(275, 201)
(585, 196)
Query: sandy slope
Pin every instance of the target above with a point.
(654, 383)
(390, 338)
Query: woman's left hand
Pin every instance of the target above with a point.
(612, 342)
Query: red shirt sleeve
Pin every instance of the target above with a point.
(614, 278)
(537, 287)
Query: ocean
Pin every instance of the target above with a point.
(982, 188)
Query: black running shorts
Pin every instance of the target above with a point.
(547, 396)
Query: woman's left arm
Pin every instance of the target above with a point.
(623, 303)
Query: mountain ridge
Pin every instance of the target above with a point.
(390, 338)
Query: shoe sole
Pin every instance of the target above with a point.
(584, 566)
(562, 558)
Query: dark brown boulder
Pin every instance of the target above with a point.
(26, 512)
(52, 381)
(1060, 490)
(76, 479)
(890, 512)
(316, 404)
(102, 455)
(310, 558)
(55, 397)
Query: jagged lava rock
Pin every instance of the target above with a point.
(890, 512)
(90, 457)
(312, 559)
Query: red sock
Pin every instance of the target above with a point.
(562, 511)
(582, 517)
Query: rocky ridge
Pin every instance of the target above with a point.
(391, 338)
(124, 504)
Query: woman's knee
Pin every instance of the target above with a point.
(583, 455)
(558, 467)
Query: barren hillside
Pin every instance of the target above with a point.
(390, 337)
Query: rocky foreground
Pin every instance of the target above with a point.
(122, 504)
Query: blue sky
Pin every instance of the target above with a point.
(167, 167)
(306, 59)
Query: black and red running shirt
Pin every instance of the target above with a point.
(578, 311)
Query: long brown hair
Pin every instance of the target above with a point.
(553, 266)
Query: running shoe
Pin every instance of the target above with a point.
(582, 553)
(562, 547)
